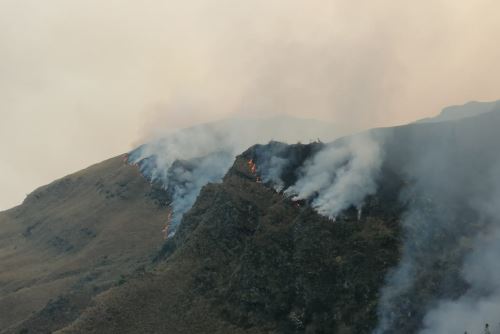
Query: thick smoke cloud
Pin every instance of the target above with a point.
(340, 176)
(271, 171)
(447, 278)
(78, 79)
(184, 182)
(481, 303)
(184, 161)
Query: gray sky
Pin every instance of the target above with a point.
(84, 80)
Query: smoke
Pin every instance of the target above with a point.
(184, 161)
(481, 303)
(340, 176)
(271, 172)
(271, 161)
(447, 278)
(337, 177)
(185, 180)
(79, 79)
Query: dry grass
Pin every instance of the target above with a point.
(76, 235)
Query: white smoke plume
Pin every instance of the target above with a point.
(481, 305)
(481, 270)
(340, 176)
(185, 182)
(184, 161)
(272, 172)
(448, 278)
(272, 159)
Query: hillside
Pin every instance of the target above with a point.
(469, 109)
(249, 258)
(72, 239)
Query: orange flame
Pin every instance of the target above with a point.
(167, 225)
(298, 203)
(253, 169)
(252, 166)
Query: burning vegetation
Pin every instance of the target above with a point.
(167, 224)
(127, 161)
(253, 169)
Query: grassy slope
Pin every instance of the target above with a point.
(246, 260)
(74, 238)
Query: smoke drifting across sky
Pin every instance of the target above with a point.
(83, 80)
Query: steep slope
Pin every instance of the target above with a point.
(185, 160)
(72, 239)
(246, 259)
(452, 170)
(470, 109)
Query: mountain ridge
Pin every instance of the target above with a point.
(247, 258)
(67, 241)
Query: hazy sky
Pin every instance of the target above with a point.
(83, 80)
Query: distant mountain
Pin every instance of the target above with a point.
(469, 109)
